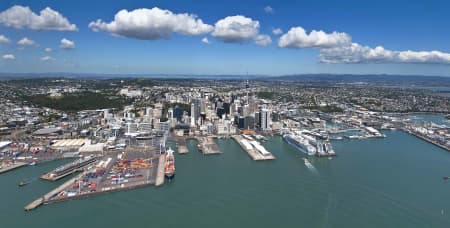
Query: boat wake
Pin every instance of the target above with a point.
(310, 166)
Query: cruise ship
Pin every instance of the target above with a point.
(309, 145)
(300, 143)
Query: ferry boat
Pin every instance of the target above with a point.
(22, 183)
(300, 143)
(307, 163)
(169, 166)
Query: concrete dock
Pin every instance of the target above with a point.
(68, 169)
(428, 140)
(183, 149)
(209, 146)
(160, 171)
(9, 167)
(103, 178)
(45, 198)
(251, 151)
(181, 145)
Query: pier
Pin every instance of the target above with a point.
(12, 166)
(68, 169)
(103, 177)
(160, 171)
(181, 146)
(427, 139)
(182, 149)
(255, 153)
(208, 145)
(47, 197)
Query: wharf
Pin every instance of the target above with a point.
(10, 167)
(183, 150)
(67, 169)
(46, 198)
(428, 140)
(209, 147)
(103, 183)
(160, 171)
(181, 145)
(253, 153)
(50, 177)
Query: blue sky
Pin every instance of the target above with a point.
(321, 36)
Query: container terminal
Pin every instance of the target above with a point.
(115, 172)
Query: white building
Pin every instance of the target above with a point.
(265, 119)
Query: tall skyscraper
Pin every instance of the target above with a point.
(193, 114)
(265, 119)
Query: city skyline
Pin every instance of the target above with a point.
(258, 37)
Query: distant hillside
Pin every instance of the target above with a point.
(394, 80)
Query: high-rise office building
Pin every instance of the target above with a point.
(265, 119)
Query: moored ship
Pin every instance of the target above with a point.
(300, 143)
(169, 165)
(309, 145)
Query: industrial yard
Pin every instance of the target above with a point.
(114, 172)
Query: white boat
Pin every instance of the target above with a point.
(309, 145)
(307, 163)
(300, 143)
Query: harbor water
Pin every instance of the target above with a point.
(390, 182)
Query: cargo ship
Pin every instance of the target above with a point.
(169, 165)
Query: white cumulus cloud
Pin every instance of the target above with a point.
(298, 38)
(269, 9)
(152, 24)
(236, 29)
(48, 49)
(9, 57)
(26, 42)
(263, 40)
(277, 31)
(356, 53)
(4, 39)
(20, 17)
(205, 40)
(67, 44)
(47, 58)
